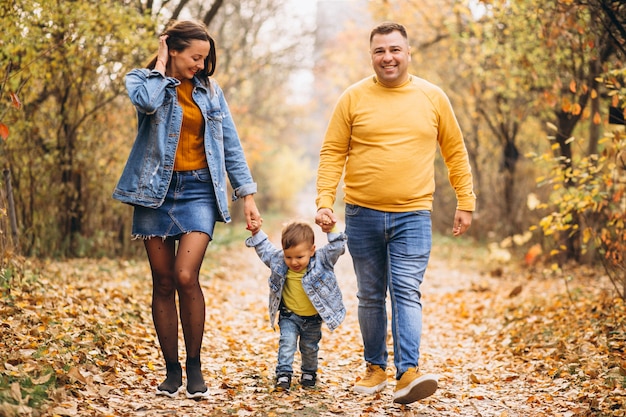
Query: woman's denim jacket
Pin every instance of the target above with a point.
(319, 281)
(148, 171)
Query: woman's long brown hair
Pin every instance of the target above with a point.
(180, 34)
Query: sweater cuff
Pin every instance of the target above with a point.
(256, 239)
(325, 202)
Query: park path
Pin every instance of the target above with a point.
(239, 353)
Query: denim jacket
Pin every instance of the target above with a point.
(148, 171)
(319, 282)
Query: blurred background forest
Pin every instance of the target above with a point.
(537, 86)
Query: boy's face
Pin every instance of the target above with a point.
(297, 257)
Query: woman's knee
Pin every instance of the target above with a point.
(187, 280)
(164, 286)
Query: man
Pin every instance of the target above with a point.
(383, 136)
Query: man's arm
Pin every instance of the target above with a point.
(333, 156)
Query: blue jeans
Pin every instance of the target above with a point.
(292, 328)
(389, 251)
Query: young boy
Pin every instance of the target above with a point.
(304, 291)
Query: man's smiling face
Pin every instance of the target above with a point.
(390, 58)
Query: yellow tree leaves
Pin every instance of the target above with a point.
(589, 199)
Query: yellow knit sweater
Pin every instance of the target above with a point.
(387, 139)
(294, 295)
(190, 151)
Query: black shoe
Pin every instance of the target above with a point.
(308, 379)
(173, 384)
(196, 388)
(283, 382)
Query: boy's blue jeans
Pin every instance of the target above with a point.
(309, 332)
(390, 251)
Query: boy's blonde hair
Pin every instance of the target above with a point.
(297, 232)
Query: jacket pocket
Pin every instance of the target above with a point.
(214, 124)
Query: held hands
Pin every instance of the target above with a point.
(326, 219)
(254, 226)
(253, 217)
(462, 222)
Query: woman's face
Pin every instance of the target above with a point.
(185, 63)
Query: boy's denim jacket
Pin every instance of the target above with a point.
(319, 282)
(148, 171)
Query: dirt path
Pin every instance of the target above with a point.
(239, 356)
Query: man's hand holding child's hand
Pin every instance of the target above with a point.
(325, 219)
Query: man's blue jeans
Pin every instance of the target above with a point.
(294, 327)
(389, 251)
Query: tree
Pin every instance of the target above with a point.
(69, 141)
(260, 44)
(67, 57)
(495, 59)
(581, 48)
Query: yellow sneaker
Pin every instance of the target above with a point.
(375, 380)
(413, 386)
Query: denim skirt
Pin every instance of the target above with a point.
(190, 206)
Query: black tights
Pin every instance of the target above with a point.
(177, 271)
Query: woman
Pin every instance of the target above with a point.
(175, 178)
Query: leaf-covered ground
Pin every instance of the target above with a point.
(76, 339)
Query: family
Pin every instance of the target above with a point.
(382, 139)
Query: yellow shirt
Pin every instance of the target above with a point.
(294, 297)
(386, 139)
(190, 153)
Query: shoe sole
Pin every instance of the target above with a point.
(422, 387)
(170, 394)
(197, 395)
(370, 390)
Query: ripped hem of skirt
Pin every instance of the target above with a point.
(148, 237)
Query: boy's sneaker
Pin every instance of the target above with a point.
(413, 386)
(375, 380)
(283, 382)
(308, 379)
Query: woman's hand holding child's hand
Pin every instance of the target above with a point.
(255, 226)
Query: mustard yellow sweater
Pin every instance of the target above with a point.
(386, 139)
(190, 153)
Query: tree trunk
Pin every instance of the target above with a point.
(566, 124)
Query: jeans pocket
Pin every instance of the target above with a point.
(203, 175)
(352, 210)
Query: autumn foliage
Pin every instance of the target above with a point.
(537, 329)
(77, 339)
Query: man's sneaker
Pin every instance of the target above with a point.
(375, 380)
(283, 382)
(413, 387)
(308, 379)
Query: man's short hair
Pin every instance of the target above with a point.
(388, 27)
